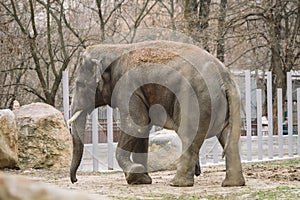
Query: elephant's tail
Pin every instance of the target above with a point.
(234, 106)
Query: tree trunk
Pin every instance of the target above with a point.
(191, 17)
(204, 22)
(277, 68)
(221, 31)
(197, 20)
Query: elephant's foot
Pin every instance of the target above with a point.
(197, 167)
(137, 175)
(197, 171)
(231, 181)
(182, 182)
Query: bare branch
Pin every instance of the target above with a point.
(242, 54)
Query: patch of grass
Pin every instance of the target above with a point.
(97, 173)
(228, 196)
(290, 162)
(112, 172)
(182, 197)
(204, 196)
(188, 197)
(199, 196)
(281, 192)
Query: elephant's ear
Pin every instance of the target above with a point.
(98, 69)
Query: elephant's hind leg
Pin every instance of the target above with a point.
(234, 175)
(186, 166)
(197, 167)
(185, 173)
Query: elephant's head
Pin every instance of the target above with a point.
(92, 89)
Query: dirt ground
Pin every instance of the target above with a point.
(268, 180)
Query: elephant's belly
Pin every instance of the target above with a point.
(217, 122)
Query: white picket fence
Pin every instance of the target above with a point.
(261, 147)
(289, 143)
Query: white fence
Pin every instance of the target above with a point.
(290, 143)
(261, 147)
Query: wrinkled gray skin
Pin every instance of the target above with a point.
(216, 111)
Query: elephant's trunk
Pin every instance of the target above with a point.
(78, 128)
(76, 159)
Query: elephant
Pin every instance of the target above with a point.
(170, 84)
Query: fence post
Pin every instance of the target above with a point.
(290, 113)
(259, 123)
(66, 102)
(298, 119)
(95, 140)
(270, 114)
(279, 117)
(248, 113)
(110, 147)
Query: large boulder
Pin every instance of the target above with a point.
(44, 139)
(164, 150)
(18, 187)
(8, 139)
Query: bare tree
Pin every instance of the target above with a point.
(13, 62)
(45, 37)
(221, 31)
(170, 8)
(196, 16)
(103, 10)
(271, 33)
(134, 18)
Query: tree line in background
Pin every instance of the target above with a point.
(42, 38)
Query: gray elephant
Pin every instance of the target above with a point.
(173, 85)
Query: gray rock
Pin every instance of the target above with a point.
(164, 150)
(44, 139)
(18, 187)
(8, 139)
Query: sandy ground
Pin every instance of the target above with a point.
(272, 180)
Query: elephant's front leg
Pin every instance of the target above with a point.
(132, 151)
(135, 170)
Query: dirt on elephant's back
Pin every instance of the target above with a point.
(274, 180)
(152, 55)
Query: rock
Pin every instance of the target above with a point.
(44, 139)
(8, 139)
(164, 150)
(18, 187)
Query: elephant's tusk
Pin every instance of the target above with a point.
(74, 117)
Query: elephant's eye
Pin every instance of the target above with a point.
(80, 84)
